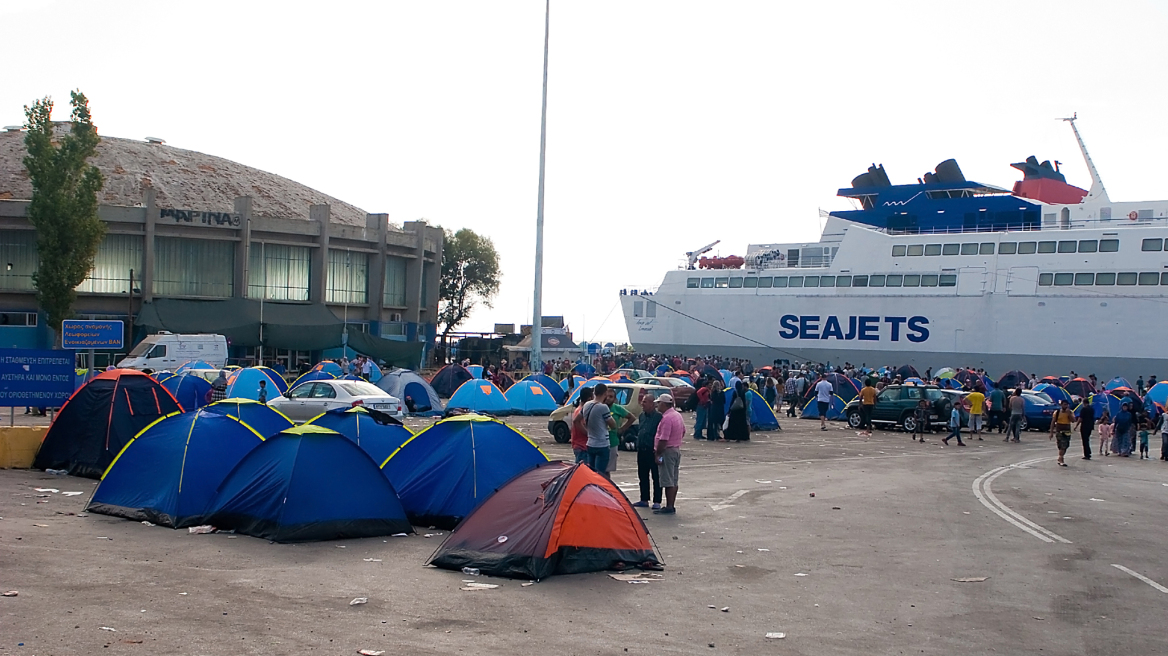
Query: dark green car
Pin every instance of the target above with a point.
(895, 405)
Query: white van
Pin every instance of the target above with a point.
(167, 351)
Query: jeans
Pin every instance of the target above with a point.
(1085, 432)
(1015, 428)
(646, 467)
(1164, 446)
(955, 432)
(713, 425)
(700, 422)
(581, 455)
(598, 458)
(866, 416)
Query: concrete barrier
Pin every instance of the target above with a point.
(19, 444)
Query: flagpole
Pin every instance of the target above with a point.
(537, 307)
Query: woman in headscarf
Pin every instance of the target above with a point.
(738, 429)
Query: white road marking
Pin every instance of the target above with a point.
(1141, 577)
(728, 502)
(983, 490)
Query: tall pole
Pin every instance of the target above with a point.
(537, 306)
(263, 293)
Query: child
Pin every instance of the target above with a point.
(954, 426)
(1105, 433)
(922, 419)
(1143, 445)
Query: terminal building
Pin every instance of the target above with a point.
(196, 244)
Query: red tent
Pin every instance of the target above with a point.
(552, 519)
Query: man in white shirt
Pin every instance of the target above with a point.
(823, 393)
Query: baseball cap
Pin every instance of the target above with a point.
(665, 398)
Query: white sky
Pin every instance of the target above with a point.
(670, 123)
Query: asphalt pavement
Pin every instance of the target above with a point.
(844, 545)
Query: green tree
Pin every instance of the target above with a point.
(64, 203)
(470, 276)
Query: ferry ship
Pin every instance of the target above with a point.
(1045, 277)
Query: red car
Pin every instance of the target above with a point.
(678, 388)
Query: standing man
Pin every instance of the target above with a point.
(670, 432)
(1086, 424)
(1060, 427)
(646, 452)
(598, 420)
(366, 367)
(867, 402)
(976, 401)
(789, 393)
(823, 392)
(703, 395)
(1017, 410)
(997, 410)
(579, 430)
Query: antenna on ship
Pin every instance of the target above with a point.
(1097, 192)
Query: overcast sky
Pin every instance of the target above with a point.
(670, 123)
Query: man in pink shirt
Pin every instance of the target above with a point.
(668, 440)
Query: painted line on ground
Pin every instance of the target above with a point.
(728, 502)
(983, 490)
(1141, 577)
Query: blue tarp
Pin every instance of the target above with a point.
(266, 420)
(375, 438)
(169, 472)
(480, 396)
(401, 383)
(190, 390)
(550, 385)
(528, 397)
(308, 483)
(445, 471)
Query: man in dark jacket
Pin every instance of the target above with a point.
(646, 458)
(1086, 424)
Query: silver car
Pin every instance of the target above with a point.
(310, 399)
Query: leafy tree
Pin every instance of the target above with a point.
(470, 275)
(64, 203)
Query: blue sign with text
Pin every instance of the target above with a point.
(35, 378)
(85, 334)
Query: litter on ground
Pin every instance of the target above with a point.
(971, 579)
(640, 576)
(357, 601)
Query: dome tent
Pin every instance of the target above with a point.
(169, 472)
(401, 383)
(245, 383)
(479, 396)
(760, 415)
(530, 398)
(266, 420)
(307, 483)
(189, 389)
(550, 385)
(448, 379)
(377, 433)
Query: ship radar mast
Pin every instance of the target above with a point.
(1097, 192)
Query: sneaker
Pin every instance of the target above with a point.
(665, 511)
(641, 504)
(656, 506)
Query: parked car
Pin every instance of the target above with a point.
(627, 395)
(895, 405)
(312, 398)
(1039, 411)
(680, 389)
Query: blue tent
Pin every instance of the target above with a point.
(1103, 401)
(328, 367)
(476, 370)
(1055, 392)
(245, 383)
(378, 439)
(663, 370)
(307, 483)
(193, 364)
(834, 411)
(401, 383)
(445, 471)
(266, 420)
(574, 380)
(914, 380)
(584, 369)
(169, 472)
(480, 396)
(190, 390)
(528, 397)
(311, 376)
(162, 375)
(550, 385)
(593, 382)
(726, 375)
(449, 379)
(761, 416)
(1158, 393)
(1118, 382)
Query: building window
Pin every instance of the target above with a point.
(110, 274)
(765, 282)
(1106, 279)
(1008, 248)
(986, 249)
(28, 319)
(18, 260)
(898, 250)
(348, 277)
(1156, 244)
(194, 267)
(932, 249)
(1046, 247)
(1046, 279)
(916, 250)
(1088, 246)
(948, 280)
(929, 280)
(395, 282)
(1064, 279)
(736, 283)
(692, 283)
(277, 272)
(969, 249)
(912, 280)
(894, 280)
(876, 281)
(1150, 278)
(1126, 279)
(1108, 245)
(951, 249)
(1027, 247)
(1084, 279)
(707, 283)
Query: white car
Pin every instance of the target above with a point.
(312, 398)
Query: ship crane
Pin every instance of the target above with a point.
(693, 256)
(1097, 191)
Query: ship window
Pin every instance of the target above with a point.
(1156, 244)
(1126, 279)
(951, 249)
(1046, 247)
(859, 281)
(1105, 279)
(1104, 213)
(750, 283)
(948, 280)
(1027, 247)
(1008, 248)
(721, 283)
(765, 282)
(916, 250)
(810, 281)
(1164, 278)
(779, 281)
(1088, 246)
(1064, 279)
(986, 249)
(895, 280)
(929, 280)
(638, 308)
(707, 283)
(1150, 278)
(1067, 246)
(736, 282)
(843, 281)
(876, 281)
(912, 280)
(827, 281)
(932, 249)
(1083, 279)
(692, 283)
(795, 281)
(898, 250)
(1046, 279)
(650, 308)
(1108, 245)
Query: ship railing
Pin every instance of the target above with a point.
(1046, 227)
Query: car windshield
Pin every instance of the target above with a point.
(1039, 396)
(358, 388)
(141, 349)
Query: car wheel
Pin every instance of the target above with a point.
(1025, 423)
(854, 419)
(562, 433)
(908, 422)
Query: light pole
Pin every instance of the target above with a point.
(537, 306)
(263, 293)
